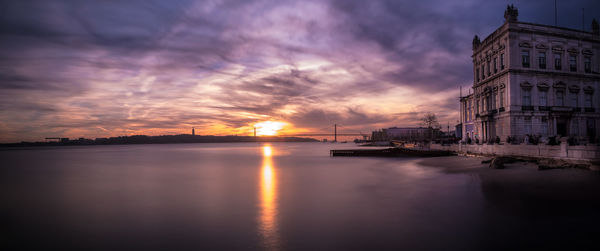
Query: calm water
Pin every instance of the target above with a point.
(277, 196)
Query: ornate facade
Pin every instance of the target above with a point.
(533, 80)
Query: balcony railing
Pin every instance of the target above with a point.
(544, 108)
(527, 108)
(561, 109)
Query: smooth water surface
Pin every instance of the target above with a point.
(265, 196)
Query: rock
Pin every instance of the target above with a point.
(497, 163)
(510, 160)
(548, 164)
(581, 166)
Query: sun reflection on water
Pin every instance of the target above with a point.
(268, 198)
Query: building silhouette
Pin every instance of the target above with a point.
(402, 133)
(533, 80)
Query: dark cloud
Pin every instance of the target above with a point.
(317, 118)
(141, 65)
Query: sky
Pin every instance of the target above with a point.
(109, 68)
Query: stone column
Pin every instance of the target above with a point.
(554, 130)
(482, 131)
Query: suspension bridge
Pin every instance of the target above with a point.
(334, 134)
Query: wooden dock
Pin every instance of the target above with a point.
(389, 152)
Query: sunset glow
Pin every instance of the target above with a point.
(268, 128)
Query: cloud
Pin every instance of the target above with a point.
(107, 68)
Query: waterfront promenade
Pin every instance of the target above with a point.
(586, 153)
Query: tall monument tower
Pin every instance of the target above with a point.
(193, 131)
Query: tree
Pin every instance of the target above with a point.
(429, 120)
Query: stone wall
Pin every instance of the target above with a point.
(562, 151)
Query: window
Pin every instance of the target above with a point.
(489, 73)
(574, 99)
(587, 64)
(542, 60)
(557, 61)
(525, 58)
(528, 125)
(544, 126)
(560, 98)
(502, 61)
(470, 110)
(526, 96)
(502, 98)
(543, 95)
(573, 63)
(483, 106)
(482, 72)
(588, 100)
(496, 101)
(575, 128)
(477, 73)
(495, 65)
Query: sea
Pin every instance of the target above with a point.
(274, 196)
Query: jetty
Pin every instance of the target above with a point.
(390, 152)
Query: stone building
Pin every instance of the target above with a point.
(402, 133)
(534, 80)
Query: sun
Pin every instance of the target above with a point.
(268, 128)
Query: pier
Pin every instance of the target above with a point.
(389, 152)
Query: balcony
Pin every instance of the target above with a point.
(543, 108)
(527, 108)
(561, 109)
(590, 109)
(494, 111)
(476, 115)
(501, 109)
(486, 115)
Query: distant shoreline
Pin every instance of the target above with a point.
(163, 139)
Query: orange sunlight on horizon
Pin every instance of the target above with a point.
(268, 128)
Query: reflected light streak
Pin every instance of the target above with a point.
(268, 197)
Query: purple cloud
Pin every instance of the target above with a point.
(107, 68)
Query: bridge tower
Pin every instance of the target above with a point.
(334, 132)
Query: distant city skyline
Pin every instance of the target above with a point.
(102, 69)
